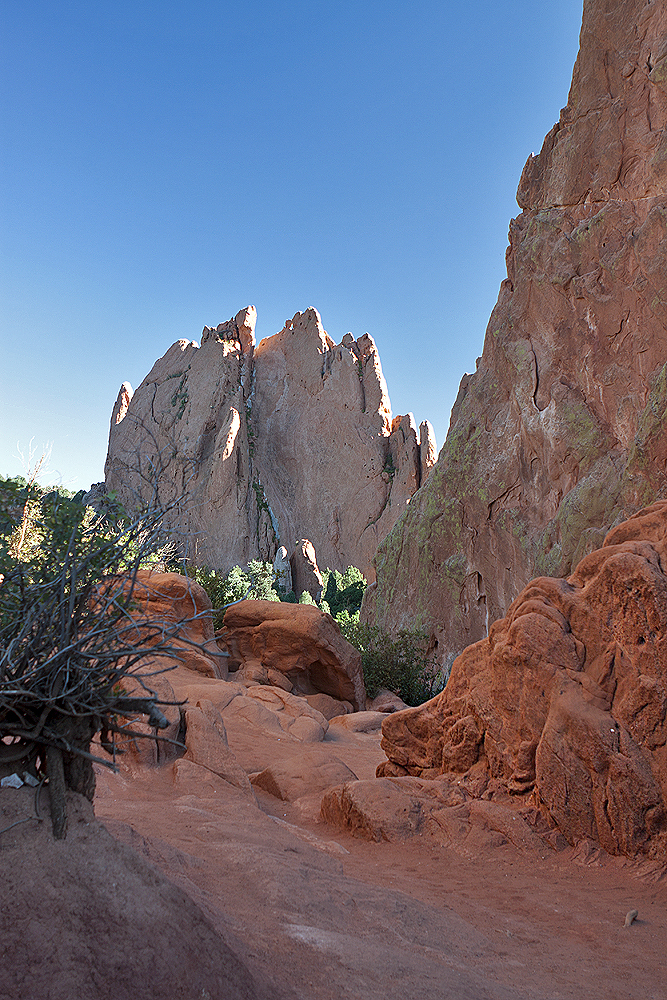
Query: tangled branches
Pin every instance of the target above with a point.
(72, 639)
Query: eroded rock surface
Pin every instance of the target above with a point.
(306, 574)
(565, 701)
(310, 773)
(176, 611)
(296, 647)
(561, 430)
(258, 446)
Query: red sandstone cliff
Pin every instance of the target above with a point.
(561, 430)
(563, 706)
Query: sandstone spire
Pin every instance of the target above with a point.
(259, 446)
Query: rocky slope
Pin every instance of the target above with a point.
(563, 705)
(258, 446)
(560, 431)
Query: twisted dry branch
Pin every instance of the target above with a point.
(72, 639)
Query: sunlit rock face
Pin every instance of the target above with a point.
(560, 432)
(250, 447)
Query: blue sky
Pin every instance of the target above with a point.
(164, 165)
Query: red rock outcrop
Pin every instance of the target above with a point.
(295, 643)
(252, 447)
(305, 572)
(560, 432)
(175, 612)
(566, 700)
(178, 611)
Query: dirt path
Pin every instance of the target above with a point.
(325, 915)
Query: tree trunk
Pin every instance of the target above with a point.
(79, 773)
(57, 791)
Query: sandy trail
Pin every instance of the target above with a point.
(322, 914)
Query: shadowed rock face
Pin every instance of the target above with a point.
(566, 699)
(560, 431)
(260, 446)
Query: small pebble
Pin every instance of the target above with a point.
(630, 917)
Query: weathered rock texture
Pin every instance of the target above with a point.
(176, 612)
(259, 446)
(306, 574)
(561, 430)
(295, 646)
(566, 700)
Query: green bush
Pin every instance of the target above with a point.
(340, 591)
(68, 580)
(255, 583)
(343, 591)
(399, 663)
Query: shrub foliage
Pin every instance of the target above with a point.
(399, 663)
(68, 638)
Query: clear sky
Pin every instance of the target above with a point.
(164, 165)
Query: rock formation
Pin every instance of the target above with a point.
(250, 448)
(565, 701)
(178, 611)
(561, 430)
(282, 570)
(292, 646)
(306, 574)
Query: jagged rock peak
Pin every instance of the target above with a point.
(258, 446)
(122, 403)
(241, 329)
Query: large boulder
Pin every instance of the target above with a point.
(295, 642)
(176, 611)
(565, 702)
(249, 448)
(310, 773)
(273, 711)
(561, 431)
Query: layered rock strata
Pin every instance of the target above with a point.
(565, 703)
(251, 447)
(560, 432)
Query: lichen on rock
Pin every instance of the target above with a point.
(560, 431)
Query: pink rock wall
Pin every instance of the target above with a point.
(258, 446)
(561, 430)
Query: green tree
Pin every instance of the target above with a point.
(343, 591)
(69, 637)
(254, 582)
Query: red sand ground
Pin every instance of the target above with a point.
(320, 914)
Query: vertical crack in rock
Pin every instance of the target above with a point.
(536, 374)
(272, 442)
(579, 333)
